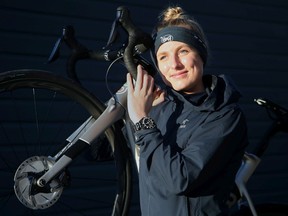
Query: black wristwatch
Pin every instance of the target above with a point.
(145, 123)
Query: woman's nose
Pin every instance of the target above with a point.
(175, 62)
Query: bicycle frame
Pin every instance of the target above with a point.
(86, 134)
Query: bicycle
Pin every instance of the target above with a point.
(39, 180)
(35, 181)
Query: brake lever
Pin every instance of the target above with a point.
(54, 55)
(114, 32)
(68, 35)
(138, 41)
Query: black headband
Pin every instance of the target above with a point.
(181, 34)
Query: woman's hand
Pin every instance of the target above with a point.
(141, 94)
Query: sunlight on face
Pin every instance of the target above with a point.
(181, 67)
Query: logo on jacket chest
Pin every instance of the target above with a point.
(184, 123)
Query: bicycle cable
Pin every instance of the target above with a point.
(106, 79)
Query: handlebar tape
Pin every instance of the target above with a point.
(137, 38)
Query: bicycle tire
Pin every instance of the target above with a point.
(15, 86)
(265, 209)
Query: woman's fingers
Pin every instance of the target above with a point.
(145, 81)
(129, 81)
(139, 79)
(159, 96)
(140, 94)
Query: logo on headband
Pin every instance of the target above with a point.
(166, 38)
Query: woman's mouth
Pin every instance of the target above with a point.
(178, 75)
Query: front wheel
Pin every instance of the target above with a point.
(38, 112)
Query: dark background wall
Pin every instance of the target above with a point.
(248, 41)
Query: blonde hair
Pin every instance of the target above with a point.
(172, 13)
(173, 16)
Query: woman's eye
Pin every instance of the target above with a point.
(184, 51)
(161, 58)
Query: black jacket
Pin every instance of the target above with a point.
(189, 162)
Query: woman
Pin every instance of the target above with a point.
(189, 137)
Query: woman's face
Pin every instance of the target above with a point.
(181, 67)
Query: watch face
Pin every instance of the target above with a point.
(145, 123)
(148, 123)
